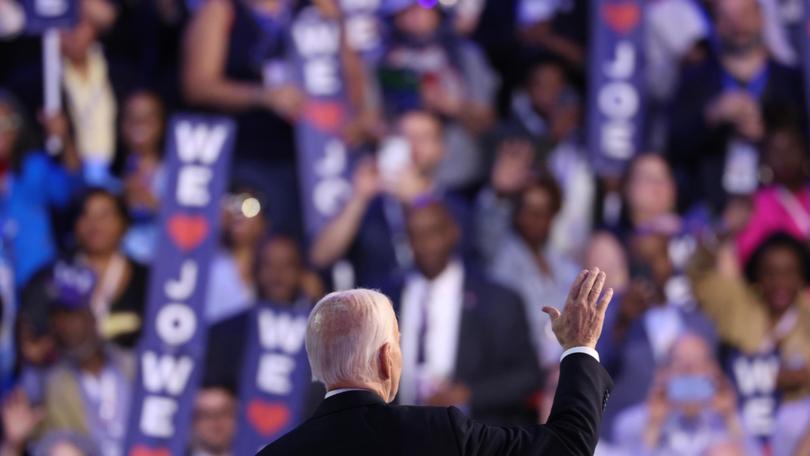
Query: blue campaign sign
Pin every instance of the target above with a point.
(275, 377)
(41, 15)
(324, 161)
(615, 77)
(806, 53)
(754, 376)
(364, 27)
(172, 348)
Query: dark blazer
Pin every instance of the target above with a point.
(696, 150)
(359, 423)
(495, 357)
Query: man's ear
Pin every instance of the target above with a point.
(386, 363)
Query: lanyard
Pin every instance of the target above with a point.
(756, 86)
(797, 212)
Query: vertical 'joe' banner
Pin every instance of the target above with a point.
(805, 31)
(754, 377)
(323, 160)
(615, 83)
(173, 342)
(275, 377)
(43, 15)
(364, 27)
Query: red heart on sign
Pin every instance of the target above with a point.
(267, 417)
(325, 115)
(142, 450)
(621, 17)
(187, 231)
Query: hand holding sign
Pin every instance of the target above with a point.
(287, 101)
(580, 323)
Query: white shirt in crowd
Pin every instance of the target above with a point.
(440, 300)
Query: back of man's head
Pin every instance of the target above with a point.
(345, 333)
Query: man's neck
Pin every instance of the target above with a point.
(745, 66)
(99, 261)
(94, 364)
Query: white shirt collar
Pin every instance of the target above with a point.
(335, 392)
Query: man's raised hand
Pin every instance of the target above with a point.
(580, 323)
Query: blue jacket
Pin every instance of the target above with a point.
(25, 219)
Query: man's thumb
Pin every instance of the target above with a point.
(552, 312)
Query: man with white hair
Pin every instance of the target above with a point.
(353, 345)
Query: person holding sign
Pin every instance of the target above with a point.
(764, 322)
(352, 340)
(235, 62)
(31, 184)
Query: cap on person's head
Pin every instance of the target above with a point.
(70, 287)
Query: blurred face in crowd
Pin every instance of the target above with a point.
(434, 235)
(607, 253)
(784, 155)
(243, 223)
(418, 22)
(214, 421)
(280, 270)
(545, 87)
(75, 333)
(423, 132)
(100, 226)
(142, 123)
(650, 188)
(729, 448)
(535, 214)
(9, 130)
(779, 278)
(77, 41)
(65, 449)
(268, 7)
(651, 252)
(691, 356)
(739, 25)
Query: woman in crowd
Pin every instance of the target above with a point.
(142, 128)
(765, 312)
(232, 285)
(784, 205)
(119, 298)
(528, 264)
(31, 184)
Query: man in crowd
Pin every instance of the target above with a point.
(213, 424)
(690, 406)
(281, 279)
(718, 116)
(370, 230)
(465, 340)
(87, 393)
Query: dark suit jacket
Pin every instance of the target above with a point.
(495, 357)
(697, 151)
(358, 423)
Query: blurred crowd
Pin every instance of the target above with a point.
(475, 202)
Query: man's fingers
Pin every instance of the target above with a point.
(603, 303)
(587, 284)
(552, 312)
(596, 291)
(572, 295)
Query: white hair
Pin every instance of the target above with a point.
(345, 331)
